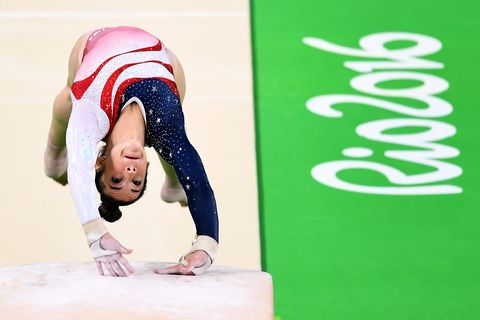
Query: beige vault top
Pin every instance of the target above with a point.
(75, 291)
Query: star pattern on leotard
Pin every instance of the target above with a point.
(165, 132)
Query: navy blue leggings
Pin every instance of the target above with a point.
(165, 132)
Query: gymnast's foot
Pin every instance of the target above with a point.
(173, 193)
(55, 164)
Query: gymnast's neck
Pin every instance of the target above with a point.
(130, 126)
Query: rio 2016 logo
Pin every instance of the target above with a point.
(393, 64)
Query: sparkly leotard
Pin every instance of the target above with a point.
(122, 65)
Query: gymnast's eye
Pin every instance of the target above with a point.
(116, 180)
(137, 182)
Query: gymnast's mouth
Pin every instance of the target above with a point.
(133, 155)
(130, 157)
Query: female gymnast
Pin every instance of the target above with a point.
(125, 88)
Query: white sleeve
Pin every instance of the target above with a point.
(83, 134)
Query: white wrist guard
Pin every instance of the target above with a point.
(94, 230)
(203, 243)
(97, 251)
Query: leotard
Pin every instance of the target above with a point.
(121, 65)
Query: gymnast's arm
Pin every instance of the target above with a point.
(82, 135)
(205, 245)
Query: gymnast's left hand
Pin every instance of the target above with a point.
(194, 260)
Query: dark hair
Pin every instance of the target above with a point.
(108, 209)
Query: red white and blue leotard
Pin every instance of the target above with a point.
(121, 65)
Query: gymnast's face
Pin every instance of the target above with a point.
(124, 170)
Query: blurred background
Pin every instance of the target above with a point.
(212, 41)
(341, 140)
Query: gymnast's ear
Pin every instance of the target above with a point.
(99, 162)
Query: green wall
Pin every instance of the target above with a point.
(394, 234)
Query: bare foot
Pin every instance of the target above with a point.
(63, 179)
(55, 164)
(172, 194)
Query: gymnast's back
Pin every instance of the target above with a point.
(96, 47)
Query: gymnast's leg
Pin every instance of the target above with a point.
(172, 190)
(55, 156)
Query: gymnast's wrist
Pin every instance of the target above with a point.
(207, 244)
(94, 230)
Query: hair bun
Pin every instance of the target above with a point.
(108, 212)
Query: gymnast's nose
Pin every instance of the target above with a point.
(131, 169)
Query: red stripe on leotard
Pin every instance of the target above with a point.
(80, 87)
(110, 107)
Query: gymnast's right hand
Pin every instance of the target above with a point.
(109, 256)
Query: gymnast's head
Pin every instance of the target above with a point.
(120, 177)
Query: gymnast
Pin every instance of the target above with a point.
(125, 88)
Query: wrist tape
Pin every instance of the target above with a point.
(203, 243)
(97, 251)
(94, 230)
